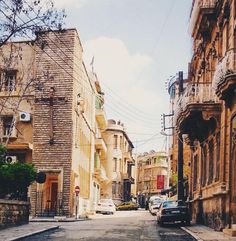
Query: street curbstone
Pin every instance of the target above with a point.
(192, 234)
(33, 233)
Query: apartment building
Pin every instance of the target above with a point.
(119, 163)
(152, 173)
(205, 114)
(100, 159)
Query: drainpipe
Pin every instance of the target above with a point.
(180, 167)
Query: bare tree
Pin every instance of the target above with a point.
(20, 18)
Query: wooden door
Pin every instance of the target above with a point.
(54, 191)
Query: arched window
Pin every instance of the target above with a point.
(211, 162)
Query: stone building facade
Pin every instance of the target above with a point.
(119, 163)
(205, 113)
(152, 173)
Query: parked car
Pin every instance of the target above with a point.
(106, 206)
(155, 205)
(172, 211)
(154, 197)
(127, 206)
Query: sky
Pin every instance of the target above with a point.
(137, 45)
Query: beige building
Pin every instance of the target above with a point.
(47, 115)
(119, 163)
(100, 178)
(152, 173)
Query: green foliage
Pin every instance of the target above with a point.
(15, 178)
(3, 152)
(174, 178)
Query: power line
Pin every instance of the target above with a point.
(60, 65)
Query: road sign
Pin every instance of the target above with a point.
(77, 190)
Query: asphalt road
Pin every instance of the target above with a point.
(123, 226)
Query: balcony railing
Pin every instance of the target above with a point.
(197, 7)
(226, 66)
(195, 93)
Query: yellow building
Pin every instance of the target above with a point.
(119, 163)
(152, 173)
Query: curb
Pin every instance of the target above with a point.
(33, 233)
(58, 221)
(192, 234)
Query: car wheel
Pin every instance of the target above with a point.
(188, 223)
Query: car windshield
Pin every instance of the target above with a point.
(170, 204)
(156, 202)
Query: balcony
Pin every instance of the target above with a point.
(100, 113)
(100, 145)
(224, 80)
(201, 14)
(197, 110)
(99, 170)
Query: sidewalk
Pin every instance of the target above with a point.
(23, 231)
(202, 233)
(35, 226)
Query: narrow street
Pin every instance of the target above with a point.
(124, 225)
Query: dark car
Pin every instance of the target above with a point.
(173, 211)
(127, 206)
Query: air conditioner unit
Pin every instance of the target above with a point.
(11, 159)
(24, 116)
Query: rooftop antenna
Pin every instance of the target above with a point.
(92, 64)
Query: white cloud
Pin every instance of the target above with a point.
(120, 70)
(114, 63)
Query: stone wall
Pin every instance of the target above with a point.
(209, 212)
(13, 213)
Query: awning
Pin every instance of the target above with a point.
(19, 146)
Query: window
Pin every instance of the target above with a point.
(115, 165)
(8, 126)
(204, 165)
(217, 165)
(121, 165)
(113, 188)
(115, 141)
(211, 162)
(121, 142)
(195, 172)
(8, 81)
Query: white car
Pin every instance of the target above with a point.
(106, 206)
(155, 205)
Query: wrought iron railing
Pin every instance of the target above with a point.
(195, 93)
(45, 207)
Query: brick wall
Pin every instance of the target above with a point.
(13, 213)
(55, 70)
